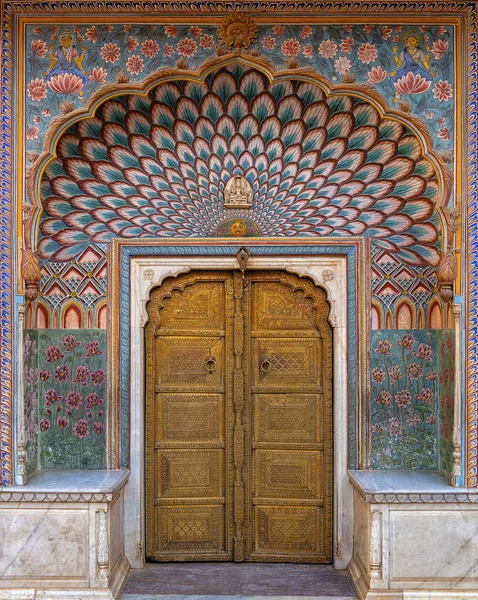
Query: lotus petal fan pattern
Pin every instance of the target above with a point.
(157, 166)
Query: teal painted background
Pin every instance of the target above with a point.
(446, 382)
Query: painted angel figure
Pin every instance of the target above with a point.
(66, 59)
(412, 59)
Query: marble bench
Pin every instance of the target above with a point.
(415, 537)
(61, 536)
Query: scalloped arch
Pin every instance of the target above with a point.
(153, 161)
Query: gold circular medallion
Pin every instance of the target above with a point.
(238, 229)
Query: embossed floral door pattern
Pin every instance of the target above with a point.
(238, 423)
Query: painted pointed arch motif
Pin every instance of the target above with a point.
(322, 160)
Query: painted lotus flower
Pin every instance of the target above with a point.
(37, 89)
(386, 32)
(394, 426)
(110, 52)
(278, 30)
(441, 30)
(69, 343)
(98, 427)
(62, 373)
(308, 51)
(92, 34)
(342, 65)
(51, 397)
(135, 64)
(132, 43)
(195, 31)
(328, 49)
(367, 53)
(46, 112)
(73, 400)
(431, 375)
(412, 84)
(187, 47)
(168, 50)
(414, 419)
(442, 91)
(394, 373)
(444, 134)
(290, 47)
(98, 377)
(377, 428)
(81, 429)
(32, 133)
(62, 422)
(149, 48)
(440, 48)
(43, 375)
(92, 349)
(269, 42)
(376, 75)
(39, 48)
(44, 424)
(207, 41)
(384, 347)
(425, 395)
(36, 119)
(305, 32)
(403, 398)
(171, 31)
(93, 400)
(346, 45)
(98, 75)
(431, 419)
(378, 375)
(424, 352)
(347, 28)
(81, 375)
(367, 28)
(53, 353)
(406, 341)
(384, 398)
(66, 83)
(414, 371)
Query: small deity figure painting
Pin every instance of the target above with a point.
(413, 75)
(238, 193)
(65, 74)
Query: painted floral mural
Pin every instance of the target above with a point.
(446, 378)
(30, 374)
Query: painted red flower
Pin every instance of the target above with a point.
(442, 91)
(32, 133)
(431, 375)
(384, 398)
(423, 28)
(92, 34)
(195, 31)
(39, 48)
(269, 42)
(367, 28)
(342, 65)
(36, 119)
(278, 30)
(440, 48)
(403, 398)
(149, 48)
(98, 376)
(43, 375)
(424, 352)
(384, 347)
(425, 395)
(98, 427)
(98, 75)
(348, 28)
(73, 400)
(346, 45)
(135, 64)
(37, 89)
(290, 47)
(394, 373)
(62, 373)
(46, 112)
(187, 47)
(308, 51)
(109, 28)
(406, 341)
(69, 343)
(44, 424)
(386, 32)
(171, 31)
(441, 122)
(127, 28)
(51, 397)
(207, 41)
(37, 30)
(81, 375)
(81, 429)
(398, 28)
(444, 134)
(429, 115)
(441, 30)
(413, 420)
(110, 52)
(93, 349)
(328, 49)
(431, 419)
(66, 83)
(132, 43)
(93, 400)
(412, 84)
(376, 75)
(414, 371)
(306, 31)
(53, 353)
(168, 51)
(367, 53)
(378, 375)
(62, 422)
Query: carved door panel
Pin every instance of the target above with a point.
(188, 389)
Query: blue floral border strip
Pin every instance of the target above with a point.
(128, 252)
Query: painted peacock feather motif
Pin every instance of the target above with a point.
(157, 166)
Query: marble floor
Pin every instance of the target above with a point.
(214, 581)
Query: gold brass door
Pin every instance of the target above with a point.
(239, 419)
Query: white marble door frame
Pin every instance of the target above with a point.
(328, 272)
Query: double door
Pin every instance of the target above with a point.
(238, 419)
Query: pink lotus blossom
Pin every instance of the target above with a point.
(384, 347)
(80, 38)
(43, 375)
(132, 43)
(73, 400)
(342, 65)
(66, 83)
(207, 41)
(308, 51)
(53, 353)
(44, 424)
(76, 29)
(394, 373)
(81, 375)
(290, 47)
(444, 134)
(424, 352)
(384, 398)
(398, 28)
(81, 429)
(346, 45)
(168, 50)
(442, 91)
(406, 341)
(367, 53)
(93, 400)
(440, 48)
(62, 373)
(187, 47)
(92, 34)
(171, 31)
(403, 398)
(441, 122)
(69, 343)
(98, 427)
(306, 31)
(110, 52)
(37, 89)
(62, 422)
(195, 31)
(269, 42)
(36, 119)
(98, 377)
(93, 349)
(328, 49)
(51, 397)
(378, 375)
(149, 48)
(39, 48)
(441, 30)
(98, 75)
(414, 371)
(414, 419)
(386, 32)
(46, 112)
(32, 133)
(348, 28)
(431, 375)
(126, 28)
(278, 30)
(376, 75)
(429, 115)
(394, 426)
(412, 84)
(109, 28)
(431, 419)
(367, 28)
(425, 395)
(135, 64)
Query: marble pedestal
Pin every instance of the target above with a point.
(415, 537)
(61, 536)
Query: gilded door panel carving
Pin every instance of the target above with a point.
(239, 419)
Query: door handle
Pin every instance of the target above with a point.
(266, 365)
(210, 364)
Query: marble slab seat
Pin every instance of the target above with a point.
(61, 536)
(415, 537)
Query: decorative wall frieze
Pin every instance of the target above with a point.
(46, 497)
